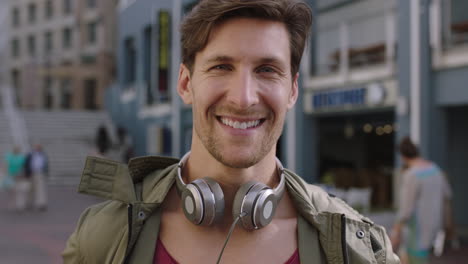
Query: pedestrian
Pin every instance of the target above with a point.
(229, 199)
(425, 195)
(36, 169)
(14, 162)
(102, 140)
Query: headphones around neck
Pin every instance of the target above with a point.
(203, 200)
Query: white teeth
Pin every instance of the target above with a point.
(240, 125)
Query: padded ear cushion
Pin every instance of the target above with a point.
(218, 199)
(208, 200)
(247, 204)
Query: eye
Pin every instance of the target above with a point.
(221, 67)
(266, 69)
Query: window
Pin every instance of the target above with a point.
(147, 67)
(47, 93)
(91, 3)
(16, 81)
(49, 9)
(32, 45)
(90, 87)
(130, 60)
(159, 140)
(67, 38)
(48, 45)
(164, 54)
(66, 93)
(15, 48)
(92, 32)
(15, 17)
(67, 6)
(32, 13)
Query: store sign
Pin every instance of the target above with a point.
(373, 94)
(339, 98)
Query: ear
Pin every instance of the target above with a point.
(183, 84)
(294, 92)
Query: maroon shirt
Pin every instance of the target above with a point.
(161, 256)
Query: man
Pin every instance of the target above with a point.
(425, 193)
(240, 74)
(36, 168)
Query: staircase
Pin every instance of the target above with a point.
(6, 140)
(67, 137)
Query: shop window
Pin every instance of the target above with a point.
(15, 17)
(32, 13)
(457, 19)
(32, 45)
(67, 38)
(90, 92)
(129, 61)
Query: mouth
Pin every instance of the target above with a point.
(241, 124)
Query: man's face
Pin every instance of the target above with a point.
(240, 90)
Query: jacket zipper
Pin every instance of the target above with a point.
(129, 214)
(344, 246)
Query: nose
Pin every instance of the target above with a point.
(243, 90)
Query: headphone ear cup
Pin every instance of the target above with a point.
(218, 199)
(203, 201)
(245, 201)
(264, 208)
(239, 198)
(192, 203)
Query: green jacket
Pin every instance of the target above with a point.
(125, 228)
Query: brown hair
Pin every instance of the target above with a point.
(199, 23)
(408, 149)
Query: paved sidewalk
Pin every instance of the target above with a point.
(39, 237)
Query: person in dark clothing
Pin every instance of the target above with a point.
(103, 142)
(36, 167)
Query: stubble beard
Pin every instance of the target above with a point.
(214, 144)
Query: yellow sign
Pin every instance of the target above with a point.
(164, 39)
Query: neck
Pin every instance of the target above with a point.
(230, 179)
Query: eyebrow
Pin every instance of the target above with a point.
(218, 58)
(263, 60)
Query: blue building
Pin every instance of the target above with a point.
(142, 100)
(379, 70)
(374, 72)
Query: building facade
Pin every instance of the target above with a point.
(378, 71)
(61, 52)
(374, 72)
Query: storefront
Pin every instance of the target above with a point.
(355, 128)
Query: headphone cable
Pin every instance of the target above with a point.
(229, 234)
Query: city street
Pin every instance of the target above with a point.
(39, 237)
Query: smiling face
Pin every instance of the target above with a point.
(240, 90)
